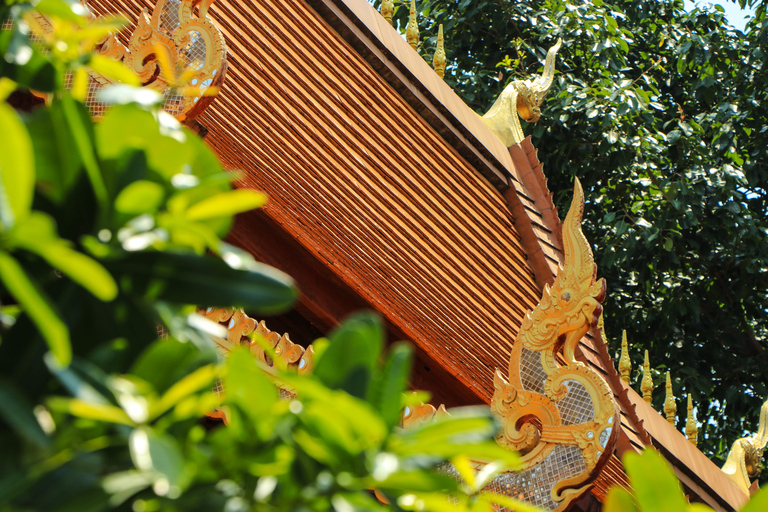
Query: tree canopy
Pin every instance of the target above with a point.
(660, 113)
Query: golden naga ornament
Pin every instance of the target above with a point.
(555, 411)
(521, 98)
(193, 49)
(744, 461)
(241, 330)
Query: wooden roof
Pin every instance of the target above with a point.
(387, 192)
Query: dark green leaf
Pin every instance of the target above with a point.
(205, 281)
(350, 359)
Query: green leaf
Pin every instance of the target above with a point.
(66, 11)
(37, 234)
(656, 486)
(168, 360)
(24, 64)
(203, 280)
(416, 481)
(125, 129)
(349, 361)
(619, 500)
(140, 197)
(394, 380)
(468, 431)
(159, 453)
(123, 94)
(17, 171)
(226, 204)
(757, 503)
(80, 124)
(510, 503)
(37, 306)
(17, 413)
(90, 410)
(57, 167)
(201, 379)
(465, 470)
(113, 69)
(246, 385)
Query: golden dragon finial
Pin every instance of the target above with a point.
(744, 461)
(554, 406)
(523, 98)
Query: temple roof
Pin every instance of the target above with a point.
(388, 192)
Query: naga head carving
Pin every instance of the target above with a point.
(552, 407)
(523, 98)
(532, 92)
(573, 303)
(744, 461)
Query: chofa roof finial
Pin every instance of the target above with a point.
(521, 98)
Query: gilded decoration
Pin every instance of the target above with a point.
(423, 413)
(521, 98)
(554, 410)
(744, 461)
(192, 45)
(243, 330)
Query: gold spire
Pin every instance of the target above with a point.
(412, 30)
(388, 10)
(691, 430)
(625, 365)
(647, 385)
(670, 408)
(438, 62)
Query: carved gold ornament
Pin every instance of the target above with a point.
(555, 411)
(242, 330)
(523, 98)
(744, 461)
(177, 52)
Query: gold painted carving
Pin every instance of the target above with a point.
(625, 363)
(523, 98)
(388, 10)
(691, 429)
(647, 385)
(438, 61)
(670, 407)
(193, 47)
(744, 461)
(422, 413)
(553, 405)
(241, 330)
(412, 29)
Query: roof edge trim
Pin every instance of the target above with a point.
(363, 28)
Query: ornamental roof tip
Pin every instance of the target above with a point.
(177, 52)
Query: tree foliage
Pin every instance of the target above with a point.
(661, 115)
